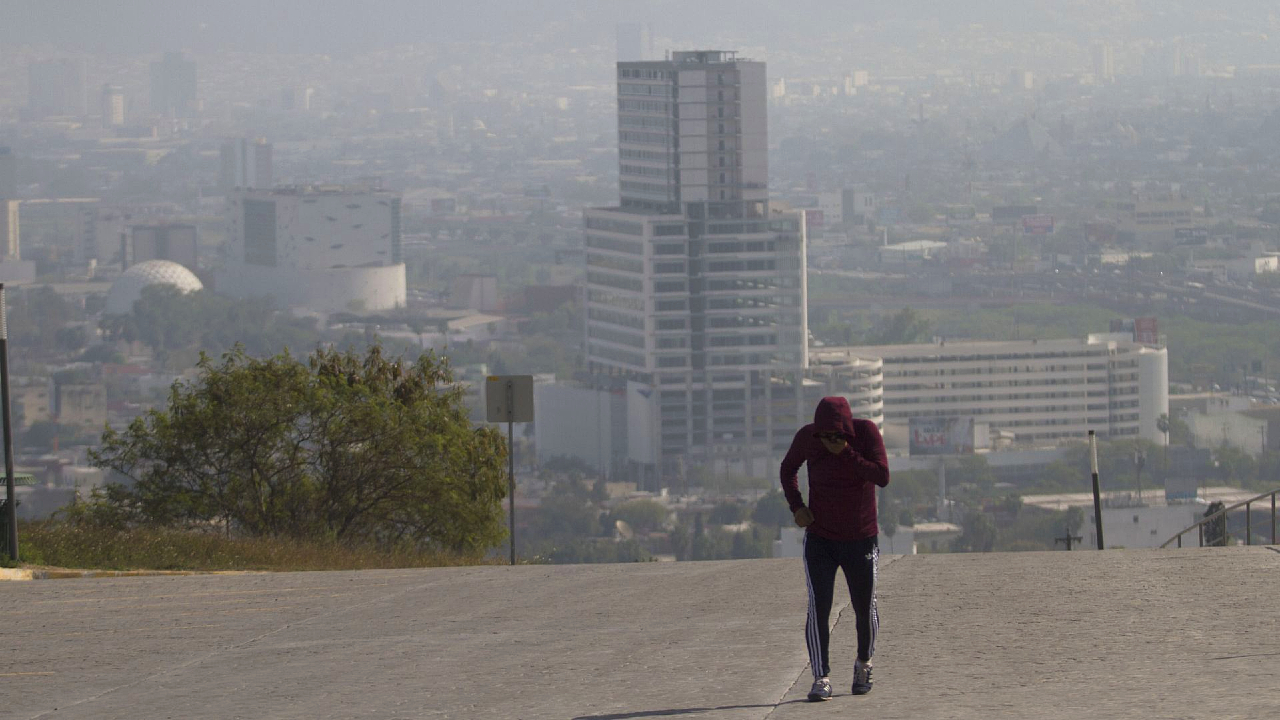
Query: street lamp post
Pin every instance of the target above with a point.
(11, 506)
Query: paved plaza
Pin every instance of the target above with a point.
(1159, 634)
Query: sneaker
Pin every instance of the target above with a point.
(862, 678)
(821, 690)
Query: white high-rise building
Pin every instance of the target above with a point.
(696, 289)
(1104, 63)
(112, 106)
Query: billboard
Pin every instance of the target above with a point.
(1146, 331)
(1037, 224)
(941, 435)
(1191, 235)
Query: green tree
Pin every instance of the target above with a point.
(905, 326)
(728, 513)
(772, 510)
(979, 534)
(344, 445)
(642, 515)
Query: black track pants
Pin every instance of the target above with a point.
(858, 559)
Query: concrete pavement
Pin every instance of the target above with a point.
(1187, 633)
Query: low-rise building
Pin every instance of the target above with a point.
(1038, 390)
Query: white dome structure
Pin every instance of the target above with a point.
(127, 288)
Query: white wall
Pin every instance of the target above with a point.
(1155, 525)
(371, 288)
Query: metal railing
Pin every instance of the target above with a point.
(1248, 521)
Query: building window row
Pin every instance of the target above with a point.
(651, 155)
(646, 74)
(626, 302)
(643, 121)
(624, 227)
(654, 106)
(741, 340)
(665, 91)
(741, 265)
(632, 247)
(642, 170)
(738, 246)
(616, 318)
(1017, 357)
(644, 138)
(611, 262)
(644, 187)
(615, 281)
(615, 336)
(615, 354)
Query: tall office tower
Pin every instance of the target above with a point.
(10, 239)
(635, 42)
(55, 88)
(1104, 63)
(112, 106)
(245, 164)
(8, 173)
(173, 86)
(696, 289)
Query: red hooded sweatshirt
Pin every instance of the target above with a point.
(842, 487)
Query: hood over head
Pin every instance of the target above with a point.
(833, 415)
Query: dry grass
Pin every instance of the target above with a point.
(69, 545)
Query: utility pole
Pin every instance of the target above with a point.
(1097, 492)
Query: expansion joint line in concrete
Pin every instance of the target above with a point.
(804, 673)
(209, 656)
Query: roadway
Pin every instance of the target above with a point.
(1159, 634)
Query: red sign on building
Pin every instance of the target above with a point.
(1037, 224)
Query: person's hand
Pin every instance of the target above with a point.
(834, 442)
(803, 516)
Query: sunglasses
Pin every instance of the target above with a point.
(830, 436)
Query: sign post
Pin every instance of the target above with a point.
(509, 399)
(11, 506)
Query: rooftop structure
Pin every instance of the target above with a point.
(127, 289)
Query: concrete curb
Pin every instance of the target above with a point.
(21, 574)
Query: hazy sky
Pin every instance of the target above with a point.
(337, 26)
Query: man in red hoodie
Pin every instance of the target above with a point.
(847, 462)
